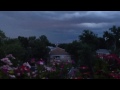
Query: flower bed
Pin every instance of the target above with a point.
(106, 68)
(34, 69)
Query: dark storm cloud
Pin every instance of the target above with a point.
(61, 26)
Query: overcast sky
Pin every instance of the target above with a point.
(58, 26)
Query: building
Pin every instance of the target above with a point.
(57, 53)
(103, 52)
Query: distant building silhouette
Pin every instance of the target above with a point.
(103, 52)
(57, 53)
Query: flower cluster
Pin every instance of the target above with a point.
(107, 67)
(56, 69)
(112, 69)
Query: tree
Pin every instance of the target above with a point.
(2, 39)
(113, 38)
(115, 31)
(44, 40)
(14, 48)
(23, 41)
(109, 39)
(2, 34)
(101, 43)
(89, 38)
(63, 45)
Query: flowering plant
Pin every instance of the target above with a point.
(11, 69)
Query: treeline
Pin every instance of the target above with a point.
(82, 50)
(25, 48)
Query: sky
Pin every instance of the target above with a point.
(58, 26)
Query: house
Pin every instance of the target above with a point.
(103, 52)
(51, 48)
(58, 53)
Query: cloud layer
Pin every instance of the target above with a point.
(58, 26)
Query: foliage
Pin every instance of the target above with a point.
(82, 52)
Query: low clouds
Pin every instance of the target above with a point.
(62, 26)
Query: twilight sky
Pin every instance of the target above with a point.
(58, 26)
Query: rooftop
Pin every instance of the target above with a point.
(102, 51)
(58, 51)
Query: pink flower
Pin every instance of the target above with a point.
(27, 65)
(9, 63)
(58, 63)
(28, 74)
(83, 67)
(7, 67)
(41, 62)
(87, 73)
(53, 69)
(75, 78)
(24, 64)
(4, 59)
(10, 56)
(15, 68)
(48, 68)
(73, 62)
(34, 75)
(62, 66)
(33, 72)
(24, 68)
(10, 68)
(69, 61)
(53, 63)
(18, 74)
(79, 78)
(5, 70)
(32, 60)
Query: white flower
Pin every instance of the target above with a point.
(34, 75)
(5, 67)
(58, 63)
(53, 63)
(11, 56)
(9, 68)
(9, 63)
(53, 69)
(41, 63)
(28, 74)
(45, 66)
(12, 76)
(25, 68)
(25, 64)
(33, 72)
(28, 65)
(49, 68)
(15, 68)
(18, 74)
(4, 59)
